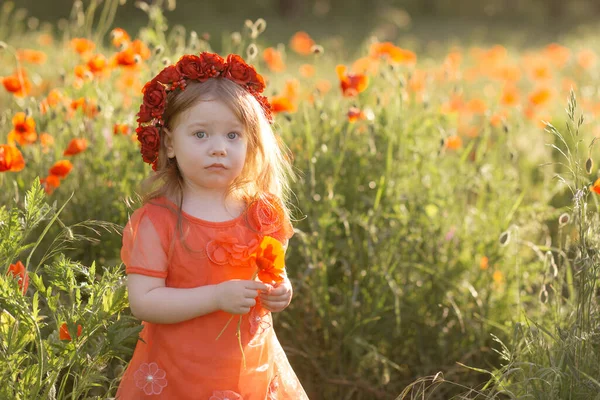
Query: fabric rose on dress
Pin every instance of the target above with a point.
(259, 319)
(225, 395)
(273, 388)
(229, 250)
(150, 378)
(266, 216)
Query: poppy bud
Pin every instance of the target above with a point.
(504, 238)
(137, 59)
(236, 38)
(166, 61)
(171, 4)
(564, 219)
(27, 112)
(251, 51)
(260, 25)
(159, 50)
(316, 49)
(589, 164)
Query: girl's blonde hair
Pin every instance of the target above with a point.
(267, 168)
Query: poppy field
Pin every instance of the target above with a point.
(446, 204)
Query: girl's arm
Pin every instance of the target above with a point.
(150, 300)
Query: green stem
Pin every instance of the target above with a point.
(225, 327)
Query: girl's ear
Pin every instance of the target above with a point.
(169, 142)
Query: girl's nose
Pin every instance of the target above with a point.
(218, 152)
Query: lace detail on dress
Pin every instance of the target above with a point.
(225, 395)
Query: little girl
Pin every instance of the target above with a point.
(220, 173)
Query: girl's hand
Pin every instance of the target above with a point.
(278, 298)
(237, 296)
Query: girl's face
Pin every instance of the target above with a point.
(210, 145)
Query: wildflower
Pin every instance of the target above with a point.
(302, 43)
(510, 96)
(31, 56)
(307, 70)
(355, 114)
(504, 238)
(453, 142)
(484, 263)
(274, 59)
(282, 104)
(558, 54)
(64, 332)
(540, 96)
(269, 259)
(119, 37)
(393, 53)
(18, 83)
(20, 272)
(596, 186)
(11, 159)
(23, 131)
(586, 59)
(97, 64)
(75, 146)
(50, 183)
(476, 106)
(365, 65)
(323, 86)
(61, 168)
(123, 129)
(82, 45)
(351, 84)
(498, 277)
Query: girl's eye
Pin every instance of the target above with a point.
(233, 135)
(200, 135)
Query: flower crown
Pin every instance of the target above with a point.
(190, 67)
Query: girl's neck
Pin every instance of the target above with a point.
(212, 205)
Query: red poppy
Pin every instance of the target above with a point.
(20, 272)
(50, 183)
(11, 159)
(274, 59)
(63, 333)
(355, 113)
(302, 43)
(61, 168)
(31, 56)
(23, 131)
(82, 45)
(351, 84)
(75, 146)
(18, 83)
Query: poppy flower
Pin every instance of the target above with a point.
(269, 259)
(323, 86)
(23, 131)
(484, 263)
(75, 146)
(45, 39)
(46, 140)
(559, 55)
(586, 59)
(97, 64)
(122, 129)
(31, 56)
(274, 59)
(50, 183)
(355, 114)
(476, 106)
(307, 70)
(540, 97)
(394, 54)
(82, 45)
(119, 37)
(20, 272)
(596, 186)
(510, 96)
(63, 333)
(61, 168)
(11, 159)
(453, 142)
(302, 43)
(282, 104)
(351, 84)
(17, 84)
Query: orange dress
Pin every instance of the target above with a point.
(185, 360)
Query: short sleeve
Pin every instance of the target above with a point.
(143, 251)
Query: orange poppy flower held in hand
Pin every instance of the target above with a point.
(269, 259)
